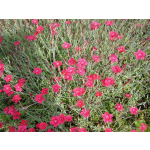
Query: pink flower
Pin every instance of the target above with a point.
(44, 91)
(57, 63)
(74, 129)
(95, 25)
(68, 76)
(116, 69)
(89, 83)
(80, 103)
(50, 130)
(55, 121)
(15, 114)
(119, 107)
(7, 88)
(1, 40)
(98, 94)
(1, 91)
(109, 23)
(42, 125)
(121, 49)
(1, 67)
(108, 81)
(39, 98)
(37, 71)
(140, 55)
(56, 87)
(36, 33)
(18, 87)
(113, 58)
(82, 63)
(90, 77)
(143, 127)
(1, 125)
(66, 45)
(16, 98)
(22, 129)
(94, 48)
(96, 76)
(71, 70)
(80, 71)
(8, 78)
(112, 35)
(78, 91)
(24, 123)
(9, 93)
(62, 118)
(78, 48)
(35, 21)
(39, 29)
(108, 130)
(17, 43)
(128, 95)
(12, 129)
(68, 22)
(31, 130)
(119, 37)
(68, 118)
(96, 58)
(31, 37)
(54, 26)
(107, 117)
(133, 110)
(21, 81)
(133, 130)
(72, 61)
(85, 113)
(82, 130)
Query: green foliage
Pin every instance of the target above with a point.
(20, 62)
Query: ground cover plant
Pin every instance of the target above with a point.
(74, 75)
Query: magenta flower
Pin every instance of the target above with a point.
(119, 107)
(85, 113)
(80, 71)
(133, 110)
(96, 58)
(128, 95)
(16, 98)
(143, 127)
(133, 130)
(107, 117)
(78, 91)
(8, 78)
(108, 130)
(82, 63)
(80, 103)
(72, 61)
(121, 49)
(95, 25)
(39, 98)
(108, 81)
(55, 121)
(113, 58)
(140, 55)
(57, 63)
(37, 71)
(109, 23)
(116, 69)
(66, 45)
(56, 87)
